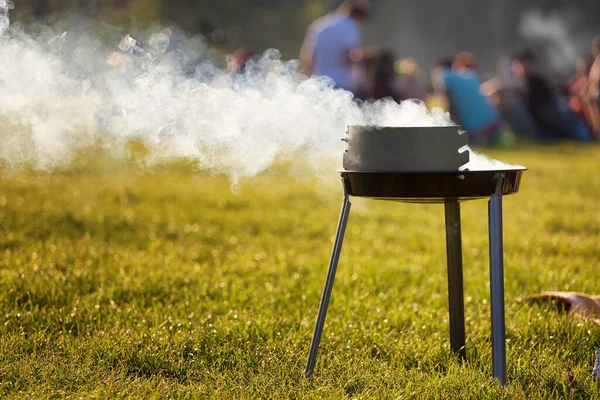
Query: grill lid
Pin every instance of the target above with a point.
(405, 149)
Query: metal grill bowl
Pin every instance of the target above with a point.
(430, 187)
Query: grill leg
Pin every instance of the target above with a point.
(335, 256)
(455, 278)
(497, 288)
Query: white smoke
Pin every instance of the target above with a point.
(61, 92)
(5, 7)
(58, 94)
(560, 35)
(481, 162)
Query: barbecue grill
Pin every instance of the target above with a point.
(426, 165)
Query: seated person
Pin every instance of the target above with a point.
(469, 105)
(554, 119)
(594, 88)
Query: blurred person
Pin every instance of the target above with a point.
(410, 74)
(578, 84)
(465, 61)
(332, 44)
(436, 94)
(239, 60)
(397, 79)
(129, 50)
(505, 92)
(385, 81)
(126, 62)
(578, 91)
(307, 49)
(594, 88)
(471, 108)
(594, 77)
(363, 76)
(551, 113)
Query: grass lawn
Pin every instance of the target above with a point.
(120, 283)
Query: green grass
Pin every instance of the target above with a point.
(120, 283)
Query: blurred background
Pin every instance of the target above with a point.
(504, 70)
(559, 31)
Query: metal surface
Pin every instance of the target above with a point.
(429, 187)
(449, 187)
(405, 149)
(497, 284)
(335, 257)
(456, 305)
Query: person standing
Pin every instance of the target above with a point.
(386, 83)
(332, 44)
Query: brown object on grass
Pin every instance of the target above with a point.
(573, 303)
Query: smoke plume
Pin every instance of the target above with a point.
(559, 35)
(61, 92)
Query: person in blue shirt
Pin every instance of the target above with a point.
(332, 47)
(469, 106)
